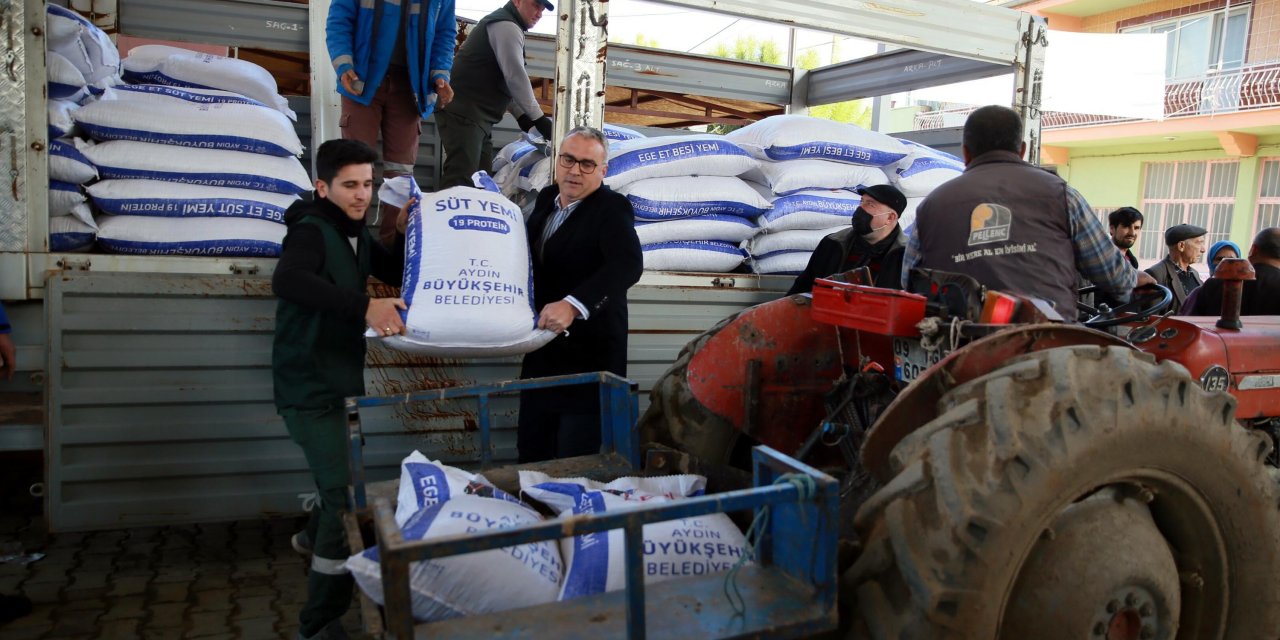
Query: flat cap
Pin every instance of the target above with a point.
(886, 194)
(1177, 233)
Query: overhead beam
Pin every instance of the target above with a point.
(955, 27)
(892, 72)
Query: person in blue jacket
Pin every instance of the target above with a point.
(393, 61)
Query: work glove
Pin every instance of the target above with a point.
(543, 125)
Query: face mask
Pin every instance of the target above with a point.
(862, 223)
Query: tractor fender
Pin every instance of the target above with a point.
(917, 405)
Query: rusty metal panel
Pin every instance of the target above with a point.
(160, 405)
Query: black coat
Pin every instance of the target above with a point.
(1166, 274)
(829, 258)
(1259, 297)
(595, 257)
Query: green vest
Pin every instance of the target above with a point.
(318, 357)
(480, 89)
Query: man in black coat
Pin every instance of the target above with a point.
(585, 256)
(873, 240)
(1261, 296)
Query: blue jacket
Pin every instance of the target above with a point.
(361, 33)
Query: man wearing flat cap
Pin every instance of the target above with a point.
(489, 80)
(1186, 247)
(873, 240)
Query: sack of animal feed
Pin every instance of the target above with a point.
(231, 126)
(68, 164)
(796, 137)
(220, 237)
(908, 217)
(792, 240)
(507, 154)
(813, 209)
(467, 277)
(798, 175)
(161, 64)
(178, 200)
(69, 233)
(702, 256)
(689, 196)
(480, 582)
(61, 122)
(211, 167)
(614, 132)
(424, 482)
(595, 563)
(63, 196)
(90, 50)
(702, 154)
(724, 228)
(781, 263)
(536, 176)
(154, 92)
(65, 80)
(923, 171)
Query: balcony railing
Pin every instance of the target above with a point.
(1245, 89)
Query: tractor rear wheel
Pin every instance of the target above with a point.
(1078, 492)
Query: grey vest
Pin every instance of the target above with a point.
(480, 89)
(1005, 223)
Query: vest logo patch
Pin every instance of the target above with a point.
(989, 223)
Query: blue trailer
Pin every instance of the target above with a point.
(788, 591)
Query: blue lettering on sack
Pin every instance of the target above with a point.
(240, 180)
(646, 209)
(671, 152)
(177, 92)
(226, 248)
(923, 164)
(588, 572)
(412, 247)
(696, 245)
(194, 140)
(848, 153)
(429, 483)
(479, 223)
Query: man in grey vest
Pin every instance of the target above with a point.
(489, 79)
(1015, 227)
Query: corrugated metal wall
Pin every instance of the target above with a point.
(160, 403)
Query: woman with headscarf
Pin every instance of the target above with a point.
(1220, 251)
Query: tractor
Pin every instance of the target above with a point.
(1006, 474)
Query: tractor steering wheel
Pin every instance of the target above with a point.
(1146, 301)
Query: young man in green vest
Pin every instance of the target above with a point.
(318, 355)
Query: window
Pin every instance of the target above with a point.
(1201, 43)
(1268, 196)
(1202, 193)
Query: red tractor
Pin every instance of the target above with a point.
(1005, 474)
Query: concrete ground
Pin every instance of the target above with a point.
(228, 580)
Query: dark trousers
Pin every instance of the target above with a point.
(393, 118)
(545, 433)
(322, 436)
(467, 146)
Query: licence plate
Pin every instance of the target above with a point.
(910, 359)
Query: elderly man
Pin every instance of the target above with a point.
(1177, 271)
(1261, 296)
(1013, 226)
(585, 256)
(872, 240)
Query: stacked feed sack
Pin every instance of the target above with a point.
(198, 157)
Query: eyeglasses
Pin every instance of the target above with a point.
(586, 166)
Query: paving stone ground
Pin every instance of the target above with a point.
(208, 581)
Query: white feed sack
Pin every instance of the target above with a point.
(160, 64)
(178, 200)
(922, 172)
(68, 164)
(689, 196)
(908, 217)
(793, 240)
(702, 154)
(224, 237)
(153, 92)
(613, 132)
(63, 196)
(781, 263)
(161, 120)
(61, 121)
(424, 482)
(69, 233)
(65, 80)
(811, 210)
(798, 175)
(713, 227)
(595, 562)
(698, 256)
(127, 159)
(796, 137)
(481, 582)
(467, 280)
(86, 46)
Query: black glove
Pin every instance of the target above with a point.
(524, 122)
(543, 125)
